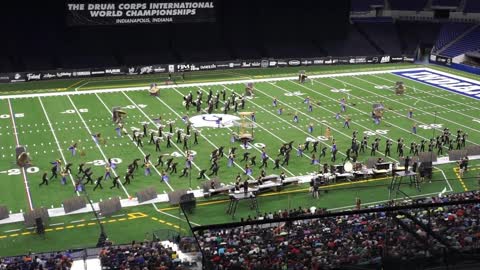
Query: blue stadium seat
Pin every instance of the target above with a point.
(449, 32)
(408, 5)
(472, 6)
(365, 5)
(446, 3)
(469, 42)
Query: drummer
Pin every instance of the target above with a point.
(347, 166)
(325, 168)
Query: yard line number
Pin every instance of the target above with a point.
(16, 115)
(82, 110)
(18, 171)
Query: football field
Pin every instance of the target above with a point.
(48, 124)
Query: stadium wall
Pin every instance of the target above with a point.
(448, 62)
(203, 66)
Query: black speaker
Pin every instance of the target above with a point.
(174, 196)
(109, 207)
(40, 228)
(188, 202)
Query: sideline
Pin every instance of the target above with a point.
(146, 87)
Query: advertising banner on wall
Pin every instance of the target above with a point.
(203, 66)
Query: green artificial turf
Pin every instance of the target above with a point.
(48, 125)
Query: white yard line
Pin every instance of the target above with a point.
(139, 149)
(322, 107)
(14, 230)
(253, 146)
(203, 136)
(420, 110)
(307, 115)
(83, 84)
(157, 76)
(367, 113)
(77, 221)
(56, 141)
(170, 215)
(151, 121)
(113, 90)
(430, 94)
(379, 202)
(98, 146)
(362, 112)
(445, 177)
(288, 123)
(24, 174)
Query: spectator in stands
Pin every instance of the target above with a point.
(333, 242)
(57, 261)
(144, 255)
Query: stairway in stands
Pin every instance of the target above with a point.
(89, 264)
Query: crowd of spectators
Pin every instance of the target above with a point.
(295, 212)
(313, 243)
(143, 255)
(136, 256)
(332, 242)
(54, 261)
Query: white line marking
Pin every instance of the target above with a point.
(203, 136)
(379, 202)
(139, 149)
(252, 145)
(174, 144)
(170, 215)
(113, 90)
(15, 230)
(98, 146)
(288, 123)
(56, 141)
(25, 181)
(77, 221)
(440, 106)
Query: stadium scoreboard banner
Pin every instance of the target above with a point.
(124, 12)
(205, 66)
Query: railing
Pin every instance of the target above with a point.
(419, 236)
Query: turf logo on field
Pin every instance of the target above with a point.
(214, 120)
(457, 84)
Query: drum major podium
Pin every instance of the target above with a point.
(397, 179)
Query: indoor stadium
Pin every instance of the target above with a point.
(240, 135)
